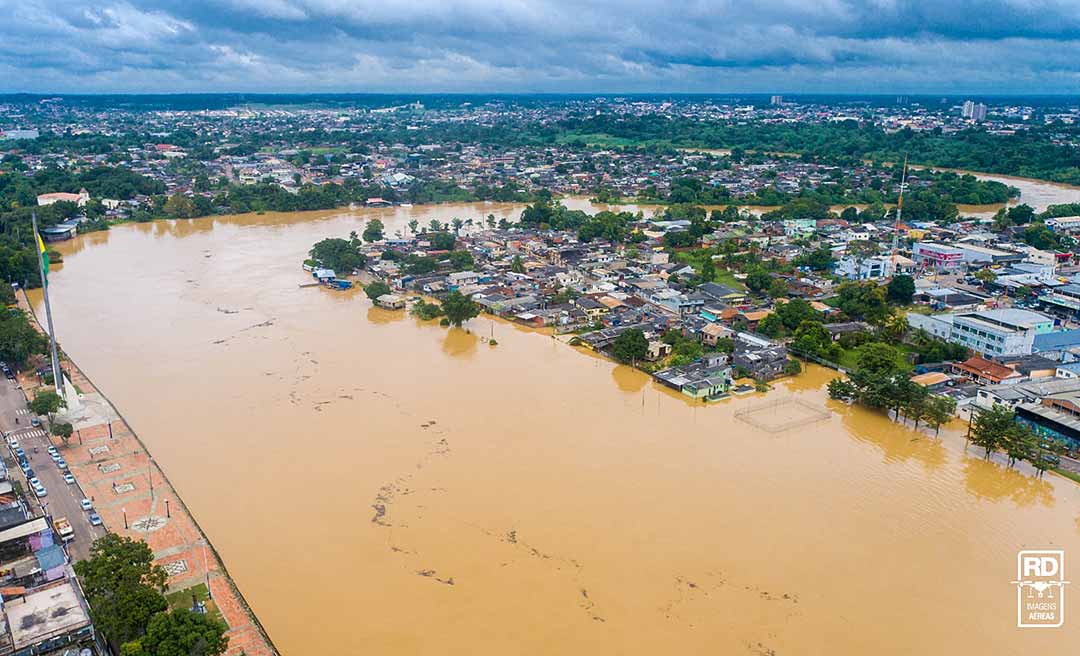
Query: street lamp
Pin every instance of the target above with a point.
(167, 514)
(124, 510)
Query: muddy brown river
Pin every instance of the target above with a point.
(380, 485)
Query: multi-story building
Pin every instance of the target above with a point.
(999, 332)
(1064, 224)
(758, 356)
(932, 255)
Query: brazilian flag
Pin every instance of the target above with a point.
(44, 257)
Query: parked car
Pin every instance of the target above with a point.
(19, 453)
(95, 519)
(86, 505)
(34, 482)
(25, 466)
(55, 456)
(40, 491)
(35, 422)
(13, 441)
(69, 479)
(61, 463)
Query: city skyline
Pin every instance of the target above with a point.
(778, 46)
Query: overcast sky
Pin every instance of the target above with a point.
(850, 46)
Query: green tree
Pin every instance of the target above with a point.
(708, 269)
(792, 368)
(842, 390)
(341, 255)
(123, 586)
(517, 265)
(373, 231)
(63, 430)
(459, 308)
(878, 358)
(46, 403)
(179, 206)
(1019, 443)
(443, 241)
(812, 337)
(376, 289)
(895, 327)
(820, 259)
(758, 281)
(901, 289)
(796, 311)
(771, 326)
(19, 340)
(630, 346)
(414, 225)
(938, 411)
(180, 632)
(990, 428)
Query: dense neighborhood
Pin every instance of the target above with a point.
(718, 246)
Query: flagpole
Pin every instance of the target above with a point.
(58, 375)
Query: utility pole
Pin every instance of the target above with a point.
(58, 375)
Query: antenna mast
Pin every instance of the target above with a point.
(899, 210)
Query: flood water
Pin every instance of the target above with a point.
(380, 485)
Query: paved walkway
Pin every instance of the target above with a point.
(135, 499)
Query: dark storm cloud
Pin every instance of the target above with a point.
(547, 45)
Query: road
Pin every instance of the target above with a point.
(62, 499)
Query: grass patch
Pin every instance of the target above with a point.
(1067, 474)
(696, 258)
(918, 309)
(182, 599)
(728, 279)
(850, 358)
(606, 140)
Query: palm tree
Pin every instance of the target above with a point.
(895, 327)
(413, 225)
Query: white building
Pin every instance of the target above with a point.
(79, 199)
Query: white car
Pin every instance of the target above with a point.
(34, 482)
(86, 505)
(13, 441)
(69, 479)
(40, 491)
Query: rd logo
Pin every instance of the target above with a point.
(1040, 589)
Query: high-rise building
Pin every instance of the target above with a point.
(974, 111)
(776, 100)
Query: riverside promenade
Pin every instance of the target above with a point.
(135, 499)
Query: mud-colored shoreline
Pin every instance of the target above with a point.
(246, 633)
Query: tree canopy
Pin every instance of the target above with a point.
(459, 308)
(630, 346)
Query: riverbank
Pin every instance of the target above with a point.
(136, 499)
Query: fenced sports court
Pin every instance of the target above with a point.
(781, 414)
